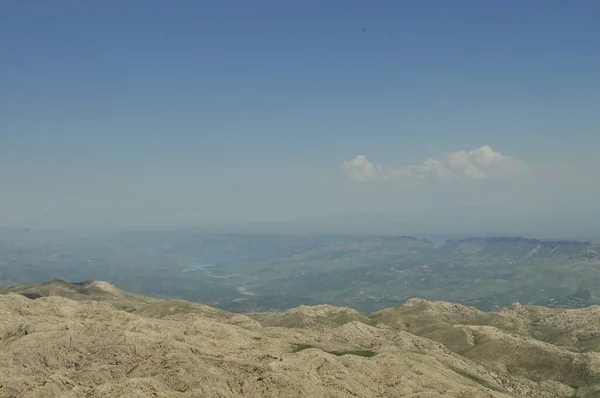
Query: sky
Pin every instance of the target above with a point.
(472, 115)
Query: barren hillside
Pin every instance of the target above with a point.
(94, 340)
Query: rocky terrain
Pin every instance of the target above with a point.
(92, 339)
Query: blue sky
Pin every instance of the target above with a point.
(152, 114)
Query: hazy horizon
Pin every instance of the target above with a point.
(347, 224)
(416, 117)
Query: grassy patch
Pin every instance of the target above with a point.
(301, 347)
(477, 380)
(360, 353)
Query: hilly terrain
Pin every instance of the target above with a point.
(253, 272)
(92, 339)
(378, 272)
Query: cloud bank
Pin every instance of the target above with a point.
(479, 164)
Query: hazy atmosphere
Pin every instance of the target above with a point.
(400, 115)
(323, 199)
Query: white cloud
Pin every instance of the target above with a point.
(360, 169)
(479, 164)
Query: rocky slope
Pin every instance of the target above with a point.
(94, 340)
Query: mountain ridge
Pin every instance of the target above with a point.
(154, 347)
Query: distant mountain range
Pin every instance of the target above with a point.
(472, 221)
(258, 272)
(481, 222)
